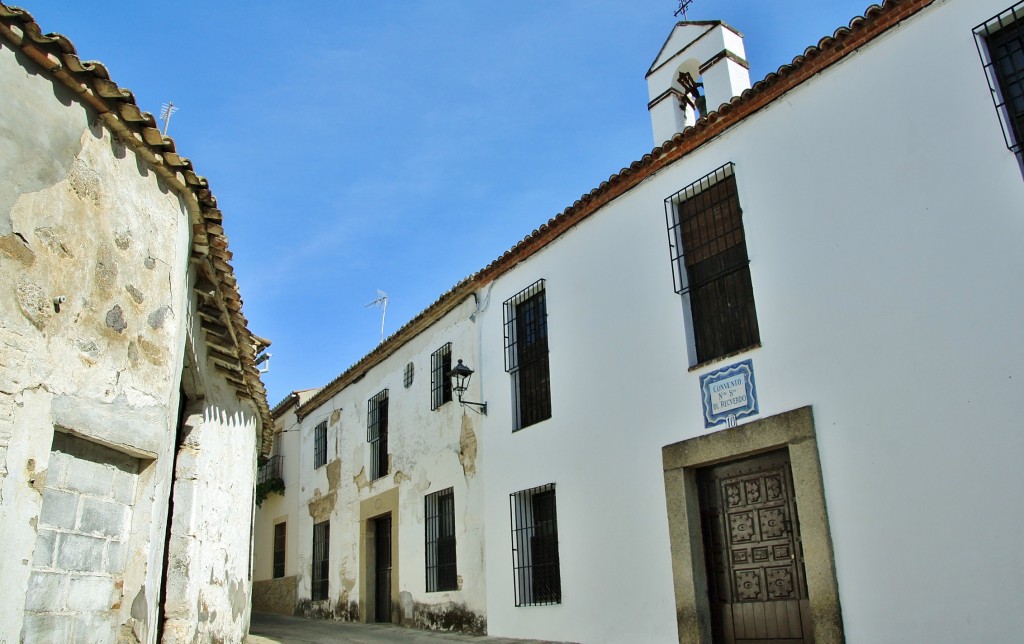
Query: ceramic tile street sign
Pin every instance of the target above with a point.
(729, 394)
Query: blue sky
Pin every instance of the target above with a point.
(397, 145)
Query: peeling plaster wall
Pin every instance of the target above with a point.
(429, 451)
(209, 585)
(84, 219)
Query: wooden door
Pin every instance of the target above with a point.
(756, 581)
(382, 569)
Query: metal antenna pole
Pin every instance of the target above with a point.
(382, 302)
(165, 114)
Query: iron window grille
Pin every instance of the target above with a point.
(440, 383)
(409, 372)
(320, 445)
(440, 541)
(526, 355)
(273, 468)
(377, 434)
(321, 567)
(1000, 42)
(535, 567)
(279, 540)
(708, 248)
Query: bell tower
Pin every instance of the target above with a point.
(700, 66)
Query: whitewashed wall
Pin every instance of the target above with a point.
(885, 230)
(430, 451)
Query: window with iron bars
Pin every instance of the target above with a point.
(538, 581)
(526, 355)
(440, 541)
(1000, 42)
(279, 536)
(273, 468)
(440, 383)
(377, 434)
(409, 372)
(321, 567)
(710, 267)
(320, 445)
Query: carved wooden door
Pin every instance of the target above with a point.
(756, 582)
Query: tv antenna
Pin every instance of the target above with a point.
(382, 302)
(165, 114)
(683, 6)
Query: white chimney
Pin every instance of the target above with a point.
(708, 53)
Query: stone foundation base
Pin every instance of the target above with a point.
(274, 595)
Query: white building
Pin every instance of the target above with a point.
(758, 385)
(131, 409)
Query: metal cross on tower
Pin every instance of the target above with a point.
(683, 6)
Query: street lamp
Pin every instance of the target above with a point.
(460, 375)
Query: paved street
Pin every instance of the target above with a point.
(279, 629)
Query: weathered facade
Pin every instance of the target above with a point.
(754, 386)
(130, 405)
(389, 527)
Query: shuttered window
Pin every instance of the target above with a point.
(535, 565)
(320, 445)
(440, 541)
(440, 382)
(279, 543)
(377, 434)
(321, 564)
(526, 355)
(708, 249)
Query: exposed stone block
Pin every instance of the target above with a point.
(81, 553)
(57, 470)
(103, 517)
(106, 271)
(47, 591)
(159, 317)
(52, 241)
(95, 627)
(59, 509)
(88, 477)
(115, 557)
(115, 319)
(46, 545)
(45, 627)
(124, 486)
(115, 423)
(90, 593)
(34, 304)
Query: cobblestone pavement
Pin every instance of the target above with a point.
(279, 629)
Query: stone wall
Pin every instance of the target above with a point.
(78, 564)
(275, 595)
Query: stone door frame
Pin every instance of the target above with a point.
(793, 431)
